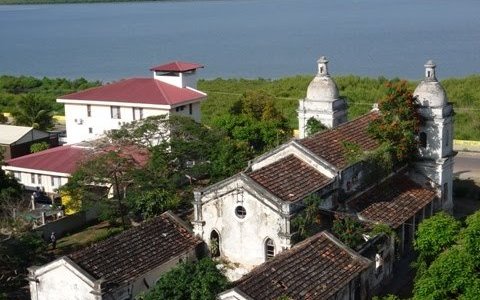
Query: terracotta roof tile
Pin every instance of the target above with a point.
(290, 178)
(138, 90)
(134, 252)
(392, 202)
(328, 144)
(314, 269)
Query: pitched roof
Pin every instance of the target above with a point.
(289, 178)
(10, 134)
(316, 268)
(134, 252)
(177, 66)
(328, 144)
(61, 159)
(393, 201)
(138, 90)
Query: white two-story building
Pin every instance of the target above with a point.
(171, 90)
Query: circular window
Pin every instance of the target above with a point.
(240, 212)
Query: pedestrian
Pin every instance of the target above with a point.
(53, 240)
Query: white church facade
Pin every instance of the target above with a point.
(247, 219)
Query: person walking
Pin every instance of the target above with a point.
(53, 240)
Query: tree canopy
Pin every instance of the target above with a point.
(32, 110)
(453, 271)
(196, 281)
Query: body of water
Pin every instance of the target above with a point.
(240, 38)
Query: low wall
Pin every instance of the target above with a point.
(67, 224)
(464, 145)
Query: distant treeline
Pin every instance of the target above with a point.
(12, 88)
(361, 93)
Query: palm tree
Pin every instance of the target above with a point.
(31, 110)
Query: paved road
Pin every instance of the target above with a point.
(467, 165)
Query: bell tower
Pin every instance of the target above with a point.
(435, 153)
(322, 102)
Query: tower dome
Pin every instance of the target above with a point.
(322, 87)
(430, 92)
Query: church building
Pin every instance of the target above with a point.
(247, 218)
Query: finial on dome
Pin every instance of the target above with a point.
(322, 66)
(430, 70)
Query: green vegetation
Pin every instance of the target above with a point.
(193, 280)
(349, 231)
(361, 93)
(13, 89)
(448, 259)
(85, 237)
(172, 165)
(37, 147)
(16, 255)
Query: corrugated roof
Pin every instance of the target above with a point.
(138, 90)
(134, 252)
(61, 159)
(9, 134)
(290, 178)
(176, 66)
(316, 268)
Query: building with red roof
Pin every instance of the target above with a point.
(172, 90)
(48, 169)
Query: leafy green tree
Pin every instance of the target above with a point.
(451, 276)
(37, 147)
(109, 167)
(471, 237)
(308, 222)
(349, 231)
(16, 255)
(32, 110)
(398, 125)
(195, 281)
(314, 126)
(436, 234)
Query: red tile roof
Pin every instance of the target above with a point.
(134, 252)
(61, 159)
(392, 202)
(328, 144)
(177, 66)
(316, 268)
(290, 178)
(138, 90)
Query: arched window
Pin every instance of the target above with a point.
(269, 249)
(214, 244)
(423, 140)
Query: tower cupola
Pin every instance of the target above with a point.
(322, 87)
(430, 92)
